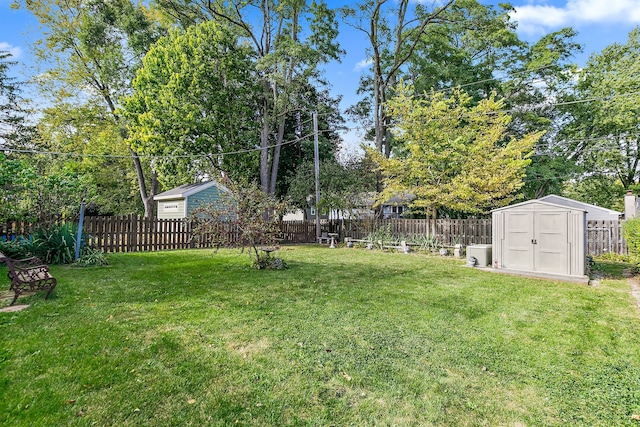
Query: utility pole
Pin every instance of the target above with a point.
(316, 157)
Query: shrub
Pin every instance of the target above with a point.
(54, 244)
(631, 230)
(14, 249)
(90, 256)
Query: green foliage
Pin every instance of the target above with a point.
(604, 130)
(342, 185)
(456, 155)
(246, 211)
(195, 95)
(54, 244)
(599, 190)
(91, 257)
(14, 130)
(88, 55)
(15, 249)
(631, 231)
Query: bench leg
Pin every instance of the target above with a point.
(15, 297)
(50, 290)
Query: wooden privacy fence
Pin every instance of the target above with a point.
(131, 233)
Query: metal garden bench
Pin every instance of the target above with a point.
(28, 275)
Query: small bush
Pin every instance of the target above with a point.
(631, 230)
(14, 249)
(55, 244)
(266, 262)
(91, 256)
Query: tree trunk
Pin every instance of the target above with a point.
(276, 158)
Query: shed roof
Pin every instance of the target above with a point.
(559, 200)
(186, 190)
(540, 202)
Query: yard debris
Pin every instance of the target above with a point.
(346, 376)
(191, 401)
(635, 417)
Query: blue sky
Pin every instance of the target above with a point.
(599, 23)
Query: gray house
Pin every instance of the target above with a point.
(179, 202)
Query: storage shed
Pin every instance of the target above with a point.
(540, 239)
(179, 202)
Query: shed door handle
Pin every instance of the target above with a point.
(534, 241)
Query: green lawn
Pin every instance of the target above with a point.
(343, 337)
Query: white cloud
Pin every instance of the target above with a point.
(537, 17)
(365, 63)
(13, 50)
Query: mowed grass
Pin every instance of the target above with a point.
(343, 337)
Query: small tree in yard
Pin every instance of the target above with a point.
(245, 217)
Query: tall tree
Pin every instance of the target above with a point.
(539, 77)
(290, 39)
(456, 155)
(298, 147)
(13, 128)
(90, 49)
(393, 34)
(195, 99)
(100, 155)
(604, 128)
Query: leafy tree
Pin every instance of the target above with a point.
(101, 155)
(456, 155)
(599, 190)
(604, 127)
(541, 73)
(17, 179)
(469, 45)
(393, 35)
(13, 129)
(298, 148)
(195, 99)
(290, 39)
(341, 184)
(90, 51)
(29, 195)
(249, 213)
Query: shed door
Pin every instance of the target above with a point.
(551, 248)
(518, 248)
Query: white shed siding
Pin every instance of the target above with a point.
(540, 237)
(171, 209)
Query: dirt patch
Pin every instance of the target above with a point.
(635, 289)
(13, 308)
(251, 348)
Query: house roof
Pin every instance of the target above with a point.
(559, 200)
(186, 190)
(369, 199)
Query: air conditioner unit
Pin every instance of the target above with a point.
(482, 253)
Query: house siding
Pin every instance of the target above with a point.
(171, 209)
(203, 197)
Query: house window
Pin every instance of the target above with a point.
(313, 211)
(170, 207)
(396, 209)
